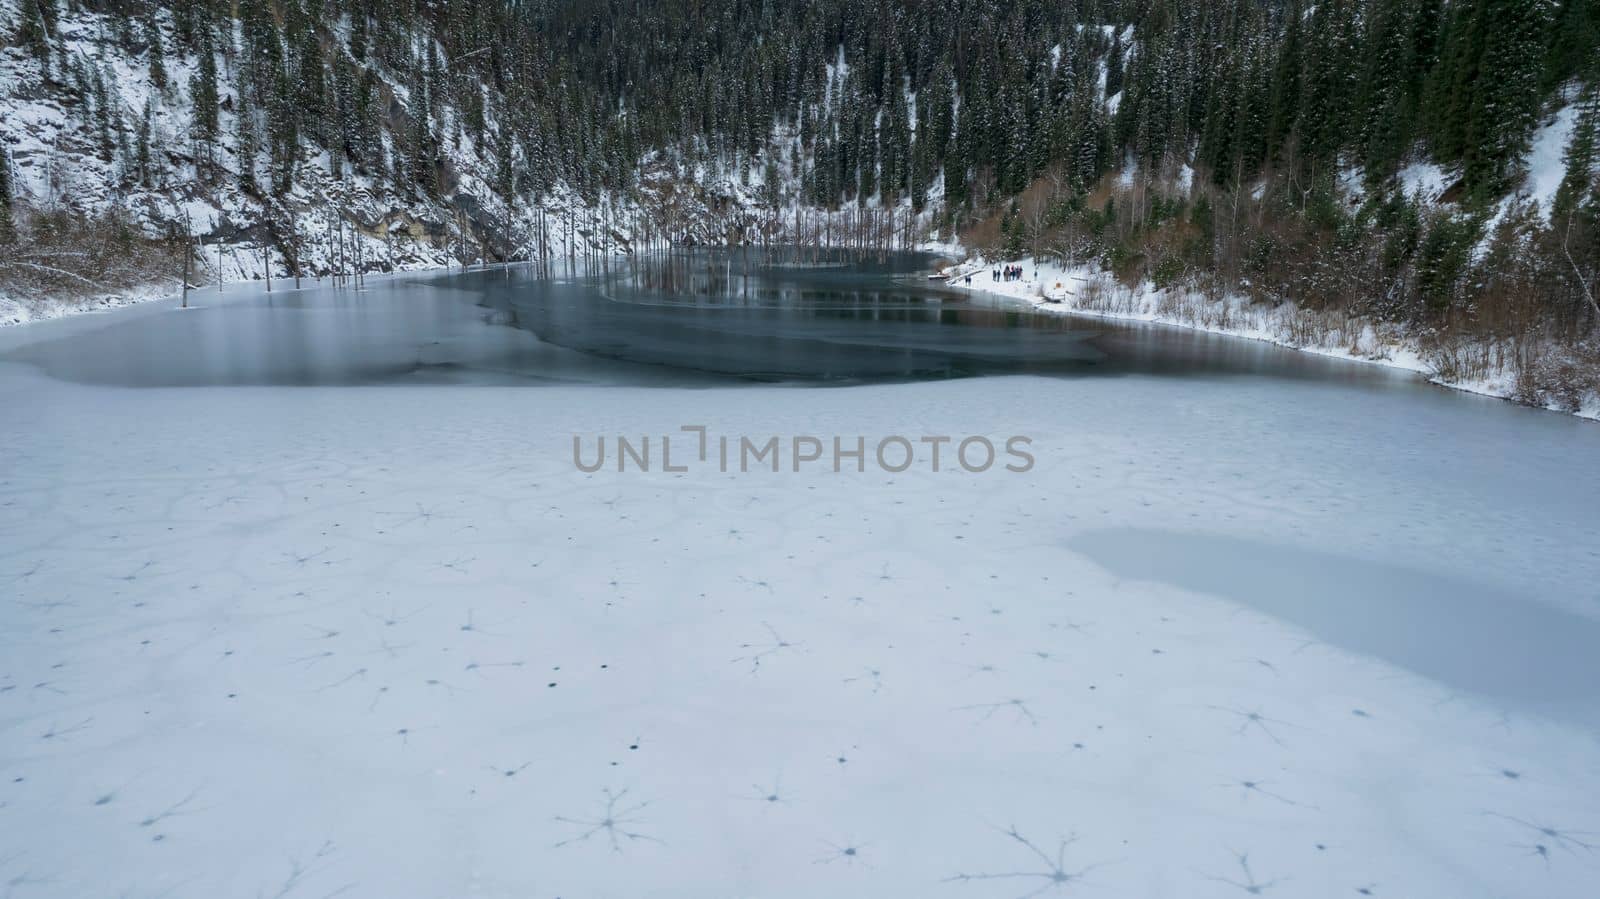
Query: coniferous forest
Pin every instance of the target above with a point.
(1422, 165)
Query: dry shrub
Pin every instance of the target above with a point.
(64, 254)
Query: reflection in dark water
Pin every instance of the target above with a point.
(690, 319)
(838, 319)
(750, 316)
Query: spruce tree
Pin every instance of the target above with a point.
(246, 142)
(1283, 109)
(141, 146)
(8, 228)
(1114, 66)
(358, 35)
(419, 148)
(157, 57)
(105, 115)
(283, 130)
(1326, 92)
(1382, 103)
(126, 156)
(1443, 255)
(1579, 177)
(1574, 38)
(505, 170)
(366, 146)
(183, 20)
(1505, 96)
(36, 24)
(203, 91)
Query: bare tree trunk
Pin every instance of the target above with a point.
(1566, 249)
(188, 256)
(188, 260)
(333, 268)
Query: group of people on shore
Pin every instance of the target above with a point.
(1008, 273)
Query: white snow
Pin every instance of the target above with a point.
(389, 642)
(1546, 167)
(1111, 31)
(1426, 180)
(16, 310)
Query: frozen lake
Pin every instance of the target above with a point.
(349, 620)
(707, 319)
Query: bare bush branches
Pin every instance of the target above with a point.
(63, 255)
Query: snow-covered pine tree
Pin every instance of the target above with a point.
(204, 95)
(154, 51)
(36, 25)
(8, 228)
(247, 143)
(1578, 179)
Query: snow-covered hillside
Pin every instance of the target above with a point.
(151, 168)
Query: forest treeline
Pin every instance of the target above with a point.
(1223, 146)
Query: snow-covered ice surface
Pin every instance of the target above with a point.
(1231, 635)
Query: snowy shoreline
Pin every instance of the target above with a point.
(16, 312)
(1032, 290)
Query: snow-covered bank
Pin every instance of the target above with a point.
(20, 310)
(1091, 291)
(16, 310)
